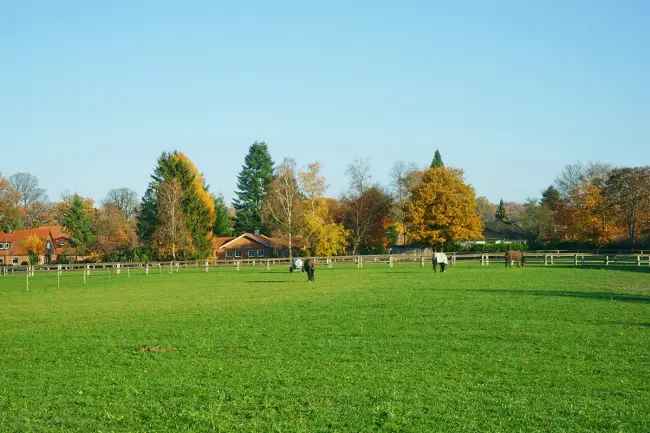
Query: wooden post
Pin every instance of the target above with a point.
(551, 259)
(330, 263)
(237, 263)
(207, 265)
(606, 260)
(638, 260)
(575, 260)
(268, 264)
(390, 261)
(27, 278)
(117, 269)
(58, 277)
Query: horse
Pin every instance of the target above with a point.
(439, 259)
(513, 257)
(309, 267)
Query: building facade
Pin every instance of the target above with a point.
(248, 246)
(54, 240)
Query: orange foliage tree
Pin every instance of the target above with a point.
(442, 209)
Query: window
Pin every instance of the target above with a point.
(5, 246)
(229, 253)
(260, 253)
(15, 260)
(252, 253)
(237, 253)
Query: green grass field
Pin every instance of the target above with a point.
(378, 349)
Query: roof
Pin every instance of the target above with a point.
(17, 238)
(222, 242)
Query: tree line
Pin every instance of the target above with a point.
(593, 205)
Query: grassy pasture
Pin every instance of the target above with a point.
(378, 349)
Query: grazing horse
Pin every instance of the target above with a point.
(441, 260)
(513, 257)
(310, 269)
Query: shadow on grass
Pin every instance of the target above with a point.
(269, 281)
(633, 324)
(604, 296)
(644, 269)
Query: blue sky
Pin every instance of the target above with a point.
(92, 92)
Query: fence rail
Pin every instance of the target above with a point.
(485, 259)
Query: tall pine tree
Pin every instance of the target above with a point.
(196, 203)
(79, 224)
(222, 220)
(437, 160)
(252, 186)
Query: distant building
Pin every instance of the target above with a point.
(56, 243)
(249, 246)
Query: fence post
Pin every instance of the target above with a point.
(575, 260)
(638, 260)
(237, 263)
(606, 260)
(58, 276)
(27, 278)
(330, 264)
(390, 261)
(551, 259)
(268, 264)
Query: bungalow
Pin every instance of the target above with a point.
(248, 246)
(14, 252)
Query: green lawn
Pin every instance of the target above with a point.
(378, 349)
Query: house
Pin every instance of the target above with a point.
(249, 246)
(55, 240)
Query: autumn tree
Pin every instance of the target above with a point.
(123, 199)
(404, 177)
(253, 184)
(10, 218)
(626, 191)
(323, 236)
(197, 203)
(171, 237)
(366, 216)
(34, 247)
(32, 201)
(360, 212)
(442, 209)
(27, 186)
(116, 234)
(282, 209)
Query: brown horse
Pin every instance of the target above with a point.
(513, 257)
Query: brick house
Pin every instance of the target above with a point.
(56, 242)
(248, 246)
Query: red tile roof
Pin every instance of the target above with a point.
(17, 238)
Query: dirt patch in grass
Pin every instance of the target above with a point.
(156, 349)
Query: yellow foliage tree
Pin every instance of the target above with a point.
(324, 237)
(442, 209)
(34, 246)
